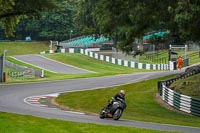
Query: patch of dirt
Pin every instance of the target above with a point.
(53, 101)
(47, 101)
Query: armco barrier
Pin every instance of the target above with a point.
(181, 102)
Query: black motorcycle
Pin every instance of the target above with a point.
(114, 111)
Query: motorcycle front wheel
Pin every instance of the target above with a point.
(102, 114)
(117, 114)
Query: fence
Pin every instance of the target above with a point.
(22, 71)
(163, 60)
(125, 62)
(118, 61)
(20, 75)
(181, 102)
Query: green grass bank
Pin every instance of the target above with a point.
(142, 103)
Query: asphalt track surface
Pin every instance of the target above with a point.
(12, 100)
(50, 65)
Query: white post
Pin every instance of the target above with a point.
(50, 45)
(42, 75)
(185, 51)
(169, 60)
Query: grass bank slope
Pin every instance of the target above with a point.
(189, 86)
(141, 101)
(21, 48)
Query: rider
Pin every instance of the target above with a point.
(117, 97)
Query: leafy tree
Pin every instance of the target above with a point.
(57, 24)
(186, 16)
(84, 19)
(54, 24)
(125, 20)
(13, 10)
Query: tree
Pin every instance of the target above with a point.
(58, 23)
(54, 24)
(186, 16)
(84, 19)
(125, 20)
(13, 10)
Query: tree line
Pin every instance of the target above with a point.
(123, 21)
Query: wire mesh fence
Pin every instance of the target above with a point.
(22, 72)
(19, 75)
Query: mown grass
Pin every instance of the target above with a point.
(189, 86)
(140, 97)
(21, 48)
(12, 123)
(141, 103)
(96, 67)
(91, 64)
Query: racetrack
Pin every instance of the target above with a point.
(50, 65)
(12, 99)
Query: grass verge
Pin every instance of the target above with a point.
(97, 67)
(12, 123)
(21, 48)
(189, 86)
(141, 103)
(140, 97)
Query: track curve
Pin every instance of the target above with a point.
(12, 96)
(49, 64)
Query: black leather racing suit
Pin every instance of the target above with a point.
(116, 97)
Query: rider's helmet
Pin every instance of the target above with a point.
(122, 93)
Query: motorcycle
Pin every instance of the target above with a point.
(114, 111)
